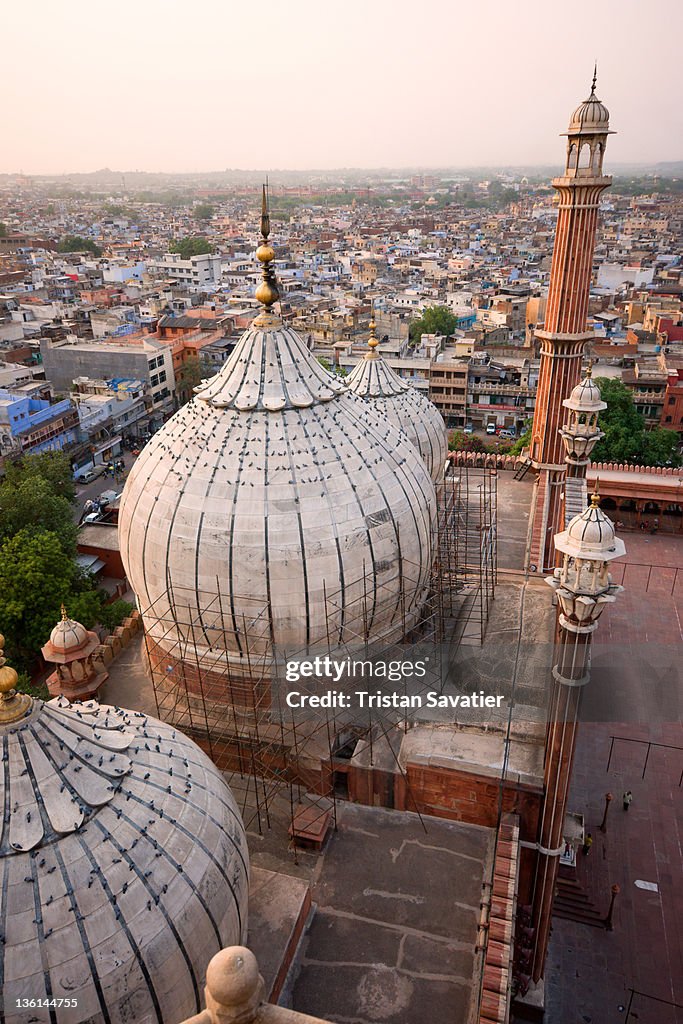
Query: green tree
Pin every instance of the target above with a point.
(458, 441)
(190, 375)
(54, 467)
(74, 243)
(112, 615)
(524, 439)
(626, 439)
(203, 211)
(3, 230)
(36, 577)
(434, 320)
(193, 245)
(660, 447)
(32, 504)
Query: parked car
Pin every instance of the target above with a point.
(90, 475)
(468, 429)
(490, 428)
(507, 435)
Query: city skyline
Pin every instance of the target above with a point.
(300, 88)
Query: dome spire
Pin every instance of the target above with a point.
(13, 705)
(267, 292)
(595, 78)
(373, 341)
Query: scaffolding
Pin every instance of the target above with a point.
(233, 704)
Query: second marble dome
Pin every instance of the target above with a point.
(275, 505)
(394, 401)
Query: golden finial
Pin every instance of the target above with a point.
(267, 292)
(13, 705)
(65, 617)
(373, 341)
(589, 368)
(595, 496)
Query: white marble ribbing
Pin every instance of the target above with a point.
(393, 400)
(133, 880)
(275, 508)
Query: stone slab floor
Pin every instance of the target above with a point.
(394, 932)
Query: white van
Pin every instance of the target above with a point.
(490, 428)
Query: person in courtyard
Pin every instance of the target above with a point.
(627, 797)
(587, 843)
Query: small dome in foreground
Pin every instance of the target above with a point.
(125, 864)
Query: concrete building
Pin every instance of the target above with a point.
(32, 424)
(199, 273)
(149, 361)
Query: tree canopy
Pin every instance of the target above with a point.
(192, 372)
(54, 467)
(192, 245)
(434, 320)
(38, 568)
(74, 243)
(32, 504)
(36, 576)
(203, 211)
(626, 439)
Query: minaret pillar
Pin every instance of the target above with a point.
(564, 334)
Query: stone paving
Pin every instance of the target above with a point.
(590, 972)
(396, 923)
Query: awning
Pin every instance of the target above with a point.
(90, 563)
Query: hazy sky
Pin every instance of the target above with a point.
(181, 86)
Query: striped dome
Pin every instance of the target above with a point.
(275, 504)
(124, 865)
(396, 402)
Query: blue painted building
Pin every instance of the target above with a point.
(30, 424)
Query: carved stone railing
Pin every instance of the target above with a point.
(235, 994)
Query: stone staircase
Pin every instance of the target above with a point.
(572, 903)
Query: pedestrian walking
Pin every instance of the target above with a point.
(627, 797)
(587, 843)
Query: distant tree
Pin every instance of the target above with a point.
(458, 441)
(3, 230)
(626, 439)
(32, 504)
(190, 375)
(193, 245)
(524, 439)
(434, 320)
(660, 447)
(74, 243)
(54, 467)
(203, 211)
(112, 615)
(36, 576)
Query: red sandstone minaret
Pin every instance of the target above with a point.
(564, 333)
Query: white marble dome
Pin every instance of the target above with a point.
(395, 401)
(585, 397)
(124, 866)
(274, 491)
(68, 635)
(590, 117)
(590, 535)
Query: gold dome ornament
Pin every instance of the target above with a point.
(267, 292)
(13, 705)
(373, 341)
